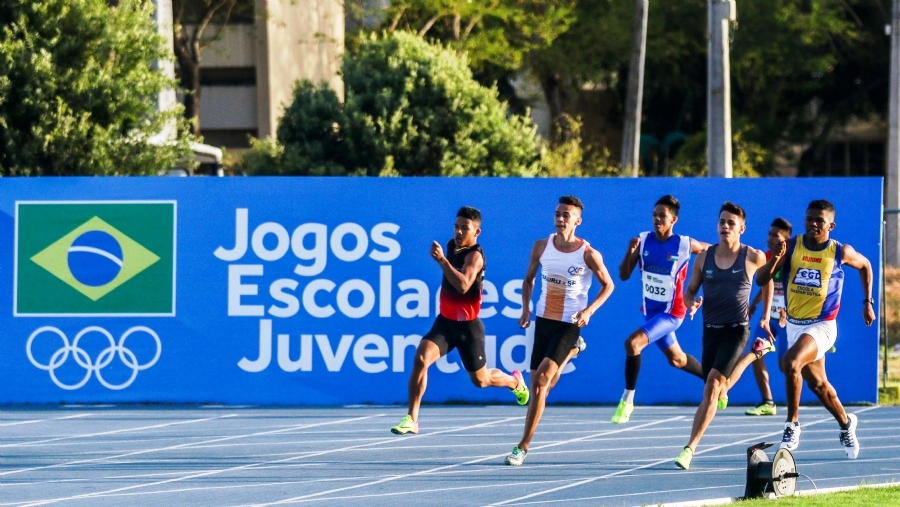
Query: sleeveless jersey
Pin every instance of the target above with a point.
(726, 292)
(778, 301)
(565, 280)
(454, 304)
(814, 280)
(664, 268)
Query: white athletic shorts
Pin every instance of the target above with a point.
(824, 333)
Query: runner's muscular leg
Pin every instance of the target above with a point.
(676, 356)
(492, 378)
(426, 354)
(540, 386)
(797, 357)
(636, 342)
(559, 371)
(816, 379)
(716, 386)
(761, 374)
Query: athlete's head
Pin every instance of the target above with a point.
(779, 231)
(568, 213)
(467, 226)
(665, 213)
(732, 220)
(819, 219)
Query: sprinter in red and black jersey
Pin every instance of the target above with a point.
(458, 326)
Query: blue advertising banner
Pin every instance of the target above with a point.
(316, 291)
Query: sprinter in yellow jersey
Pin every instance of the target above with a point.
(813, 277)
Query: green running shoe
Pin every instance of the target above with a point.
(762, 409)
(407, 425)
(516, 457)
(723, 402)
(683, 461)
(623, 413)
(521, 390)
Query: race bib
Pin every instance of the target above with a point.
(778, 303)
(658, 287)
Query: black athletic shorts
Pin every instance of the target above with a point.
(465, 336)
(722, 347)
(553, 339)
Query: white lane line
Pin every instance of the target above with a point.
(32, 421)
(254, 465)
(115, 432)
(303, 498)
(662, 461)
(178, 446)
(282, 483)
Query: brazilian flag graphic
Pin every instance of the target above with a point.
(95, 258)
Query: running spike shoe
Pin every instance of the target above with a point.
(580, 345)
(762, 347)
(848, 438)
(723, 402)
(763, 408)
(623, 413)
(791, 438)
(407, 425)
(521, 389)
(516, 457)
(683, 461)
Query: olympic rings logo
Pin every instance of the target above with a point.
(83, 359)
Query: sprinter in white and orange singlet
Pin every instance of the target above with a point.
(567, 264)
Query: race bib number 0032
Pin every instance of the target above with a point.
(657, 287)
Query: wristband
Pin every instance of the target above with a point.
(870, 301)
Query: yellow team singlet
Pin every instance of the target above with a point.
(813, 283)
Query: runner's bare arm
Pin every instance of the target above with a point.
(779, 257)
(632, 255)
(528, 281)
(755, 302)
(460, 280)
(594, 262)
(854, 259)
(758, 260)
(698, 246)
(691, 301)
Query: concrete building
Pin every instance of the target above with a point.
(248, 74)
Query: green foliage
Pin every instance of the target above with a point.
(492, 33)
(798, 68)
(748, 158)
(570, 157)
(78, 95)
(411, 108)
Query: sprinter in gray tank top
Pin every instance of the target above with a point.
(725, 272)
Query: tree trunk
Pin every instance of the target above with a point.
(550, 87)
(191, 82)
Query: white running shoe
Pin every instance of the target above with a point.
(516, 457)
(580, 344)
(791, 438)
(848, 438)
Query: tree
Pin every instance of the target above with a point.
(191, 19)
(411, 108)
(78, 94)
(798, 68)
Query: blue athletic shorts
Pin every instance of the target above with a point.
(780, 333)
(660, 328)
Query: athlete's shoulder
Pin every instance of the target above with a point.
(756, 256)
(539, 246)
